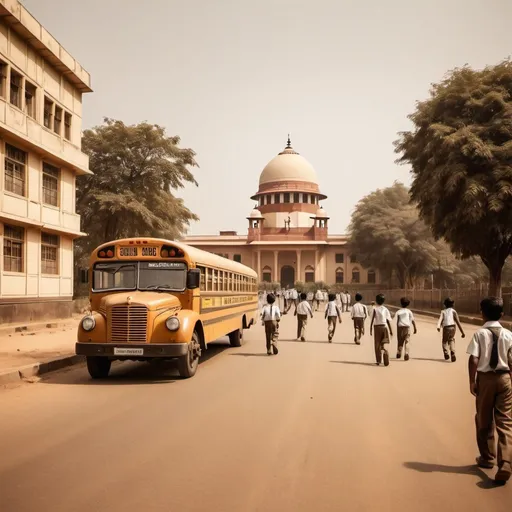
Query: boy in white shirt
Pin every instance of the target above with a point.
(382, 319)
(490, 381)
(359, 314)
(404, 320)
(331, 312)
(319, 296)
(301, 312)
(270, 316)
(344, 299)
(447, 321)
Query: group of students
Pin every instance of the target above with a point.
(490, 360)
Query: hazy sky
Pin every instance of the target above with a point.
(233, 77)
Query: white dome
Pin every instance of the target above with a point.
(255, 214)
(288, 166)
(321, 214)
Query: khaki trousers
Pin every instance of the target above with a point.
(302, 322)
(380, 338)
(403, 335)
(358, 328)
(271, 333)
(331, 325)
(449, 339)
(494, 411)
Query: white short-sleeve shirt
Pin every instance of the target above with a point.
(270, 312)
(405, 317)
(481, 346)
(359, 310)
(331, 308)
(381, 315)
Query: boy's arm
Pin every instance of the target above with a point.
(472, 367)
(371, 324)
(338, 310)
(415, 328)
(390, 329)
(310, 310)
(440, 322)
(456, 318)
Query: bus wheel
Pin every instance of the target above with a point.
(236, 338)
(187, 365)
(99, 367)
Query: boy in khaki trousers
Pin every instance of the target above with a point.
(270, 316)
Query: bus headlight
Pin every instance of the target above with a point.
(88, 323)
(172, 323)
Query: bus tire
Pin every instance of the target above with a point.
(187, 365)
(98, 367)
(236, 338)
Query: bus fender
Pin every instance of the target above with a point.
(188, 320)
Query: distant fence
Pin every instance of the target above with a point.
(466, 300)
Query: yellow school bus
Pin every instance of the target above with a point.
(158, 299)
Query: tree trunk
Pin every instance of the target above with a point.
(495, 280)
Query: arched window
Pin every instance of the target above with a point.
(371, 276)
(340, 276)
(266, 275)
(310, 274)
(356, 276)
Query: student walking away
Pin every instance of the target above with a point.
(349, 300)
(270, 316)
(302, 311)
(490, 374)
(448, 319)
(332, 314)
(381, 322)
(404, 321)
(318, 298)
(359, 314)
(310, 298)
(344, 299)
(295, 297)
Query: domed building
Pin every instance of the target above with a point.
(288, 237)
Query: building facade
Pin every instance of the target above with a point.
(288, 236)
(41, 87)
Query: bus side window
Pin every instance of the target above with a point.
(214, 280)
(202, 285)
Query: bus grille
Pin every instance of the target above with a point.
(128, 324)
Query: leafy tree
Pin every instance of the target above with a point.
(387, 233)
(460, 152)
(130, 193)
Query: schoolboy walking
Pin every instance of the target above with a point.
(381, 322)
(359, 314)
(318, 298)
(490, 373)
(344, 299)
(404, 321)
(302, 311)
(448, 319)
(332, 314)
(270, 316)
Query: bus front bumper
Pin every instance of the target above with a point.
(131, 350)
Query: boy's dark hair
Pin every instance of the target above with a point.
(404, 301)
(449, 302)
(359, 297)
(492, 308)
(332, 297)
(303, 296)
(271, 298)
(380, 299)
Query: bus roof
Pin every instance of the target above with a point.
(198, 255)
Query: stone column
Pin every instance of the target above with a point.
(258, 269)
(299, 265)
(317, 275)
(276, 265)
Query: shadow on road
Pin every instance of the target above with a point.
(131, 372)
(246, 354)
(429, 359)
(485, 481)
(354, 362)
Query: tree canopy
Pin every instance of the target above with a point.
(460, 152)
(130, 193)
(387, 233)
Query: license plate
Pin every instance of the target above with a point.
(128, 351)
(128, 252)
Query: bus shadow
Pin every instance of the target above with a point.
(131, 372)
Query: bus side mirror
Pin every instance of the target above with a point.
(84, 276)
(193, 278)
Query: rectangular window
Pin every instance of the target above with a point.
(57, 122)
(237, 258)
(277, 198)
(305, 198)
(286, 197)
(51, 175)
(209, 278)
(269, 199)
(48, 113)
(353, 258)
(30, 99)
(296, 198)
(340, 257)
(3, 79)
(67, 125)
(202, 283)
(16, 88)
(49, 254)
(15, 170)
(14, 241)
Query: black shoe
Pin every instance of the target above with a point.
(482, 463)
(453, 357)
(377, 363)
(446, 356)
(303, 339)
(406, 357)
(503, 475)
(275, 350)
(398, 356)
(386, 359)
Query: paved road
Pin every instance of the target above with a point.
(316, 428)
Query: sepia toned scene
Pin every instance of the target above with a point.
(255, 256)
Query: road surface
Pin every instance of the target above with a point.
(317, 428)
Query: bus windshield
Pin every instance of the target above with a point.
(160, 276)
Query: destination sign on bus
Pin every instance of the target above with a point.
(133, 252)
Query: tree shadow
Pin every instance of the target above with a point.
(357, 363)
(485, 481)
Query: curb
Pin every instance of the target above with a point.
(39, 368)
(35, 327)
(463, 318)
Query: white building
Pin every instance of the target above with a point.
(41, 87)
